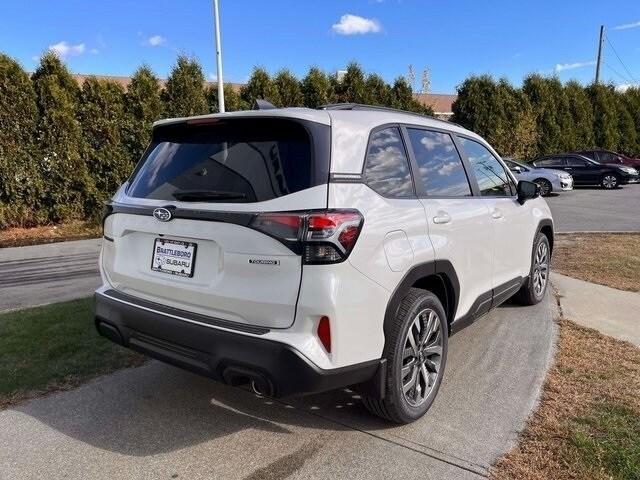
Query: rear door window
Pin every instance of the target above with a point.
(550, 162)
(576, 162)
(234, 160)
(387, 166)
(439, 164)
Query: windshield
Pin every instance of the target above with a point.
(235, 160)
(513, 163)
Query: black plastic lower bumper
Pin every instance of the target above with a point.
(217, 353)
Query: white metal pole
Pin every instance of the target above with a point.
(216, 16)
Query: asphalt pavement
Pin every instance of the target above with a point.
(42, 274)
(588, 209)
(156, 421)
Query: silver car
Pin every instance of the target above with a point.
(548, 179)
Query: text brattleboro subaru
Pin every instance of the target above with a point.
(304, 250)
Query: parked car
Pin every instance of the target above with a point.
(607, 156)
(288, 249)
(589, 172)
(547, 179)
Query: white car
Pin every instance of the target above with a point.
(303, 250)
(548, 179)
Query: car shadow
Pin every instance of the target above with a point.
(158, 408)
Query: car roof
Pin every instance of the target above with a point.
(563, 155)
(351, 125)
(370, 115)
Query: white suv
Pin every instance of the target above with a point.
(304, 250)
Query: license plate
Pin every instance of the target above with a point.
(173, 257)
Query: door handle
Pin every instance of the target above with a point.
(441, 218)
(496, 213)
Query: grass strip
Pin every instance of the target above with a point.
(54, 347)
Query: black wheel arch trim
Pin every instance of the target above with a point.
(442, 269)
(546, 222)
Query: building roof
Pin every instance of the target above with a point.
(441, 103)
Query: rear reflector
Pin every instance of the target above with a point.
(324, 333)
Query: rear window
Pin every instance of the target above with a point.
(232, 160)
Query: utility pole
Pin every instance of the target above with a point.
(216, 19)
(599, 62)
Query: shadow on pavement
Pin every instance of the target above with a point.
(494, 373)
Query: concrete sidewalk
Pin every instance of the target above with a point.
(160, 422)
(608, 310)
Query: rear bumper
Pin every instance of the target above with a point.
(222, 354)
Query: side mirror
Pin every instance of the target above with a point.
(516, 169)
(527, 191)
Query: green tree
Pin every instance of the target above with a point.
(378, 92)
(316, 88)
(474, 108)
(66, 180)
(351, 87)
(103, 119)
(515, 133)
(232, 100)
(289, 90)
(184, 94)
(545, 95)
(260, 87)
(605, 116)
(20, 181)
(628, 134)
(632, 98)
(582, 113)
(402, 98)
(498, 112)
(143, 106)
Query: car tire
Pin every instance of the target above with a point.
(537, 281)
(545, 186)
(610, 181)
(416, 354)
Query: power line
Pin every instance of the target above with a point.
(626, 79)
(620, 60)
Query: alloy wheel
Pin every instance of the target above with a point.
(545, 187)
(422, 357)
(540, 269)
(609, 181)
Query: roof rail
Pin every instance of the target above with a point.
(380, 108)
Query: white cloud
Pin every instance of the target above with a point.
(572, 66)
(627, 26)
(212, 77)
(64, 49)
(354, 25)
(626, 86)
(156, 41)
(94, 51)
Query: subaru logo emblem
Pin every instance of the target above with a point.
(162, 214)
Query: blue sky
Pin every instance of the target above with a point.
(452, 38)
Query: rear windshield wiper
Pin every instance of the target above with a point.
(207, 195)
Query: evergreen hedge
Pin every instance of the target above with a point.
(545, 116)
(65, 148)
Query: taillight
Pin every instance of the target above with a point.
(321, 237)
